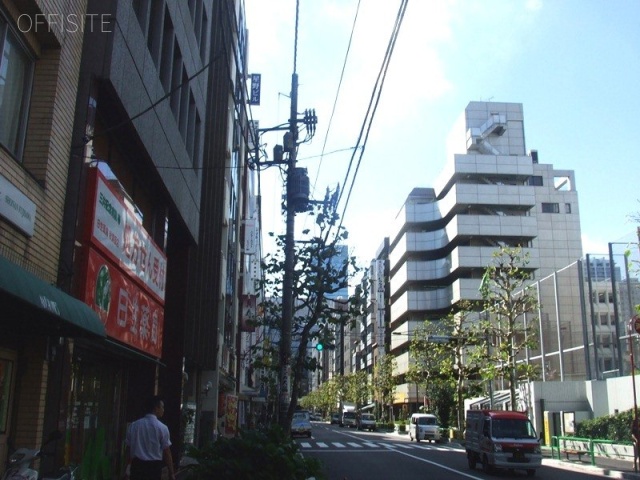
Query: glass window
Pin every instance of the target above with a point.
(550, 208)
(535, 180)
(15, 85)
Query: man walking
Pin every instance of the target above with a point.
(148, 444)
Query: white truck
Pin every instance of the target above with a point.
(501, 439)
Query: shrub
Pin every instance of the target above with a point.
(257, 454)
(382, 426)
(610, 427)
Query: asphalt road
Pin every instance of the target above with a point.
(348, 454)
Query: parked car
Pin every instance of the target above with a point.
(301, 424)
(315, 417)
(336, 419)
(367, 422)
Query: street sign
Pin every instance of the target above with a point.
(439, 338)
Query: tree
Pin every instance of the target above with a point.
(447, 355)
(506, 301)
(384, 383)
(316, 275)
(357, 388)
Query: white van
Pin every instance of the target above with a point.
(349, 419)
(501, 439)
(424, 426)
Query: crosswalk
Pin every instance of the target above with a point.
(366, 445)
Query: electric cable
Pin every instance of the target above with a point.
(335, 101)
(371, 110)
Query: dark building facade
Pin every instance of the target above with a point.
(140, 185)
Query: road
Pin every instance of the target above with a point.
(348, 454)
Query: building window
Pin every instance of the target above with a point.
(16, 69)
(550, 208)
(567, 208)
(535, 181)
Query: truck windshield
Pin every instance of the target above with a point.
(427, 421)
(512, 428)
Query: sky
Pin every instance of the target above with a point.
(573, 64)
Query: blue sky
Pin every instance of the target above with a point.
(573, 64)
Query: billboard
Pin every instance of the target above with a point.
(123, 270)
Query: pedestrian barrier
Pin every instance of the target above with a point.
(590, 446)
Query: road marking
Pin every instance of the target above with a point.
(410, 447)
(322, 445)
(305, 444)
(354, 444)
(438, 465)
(339, 445)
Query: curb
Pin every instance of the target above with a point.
(591, 469)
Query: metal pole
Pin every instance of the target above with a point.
(616, 310)
(634, 432)
(289, 264)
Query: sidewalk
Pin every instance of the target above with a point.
(605, 466)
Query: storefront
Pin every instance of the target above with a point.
(37, 320)
(122, 278)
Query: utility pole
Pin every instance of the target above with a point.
(289, 263)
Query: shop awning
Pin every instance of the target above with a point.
(43, 308)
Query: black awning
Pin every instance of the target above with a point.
(31, 304)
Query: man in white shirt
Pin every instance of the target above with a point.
(148, 444)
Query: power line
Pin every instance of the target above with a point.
(371, 109)
(335, 101)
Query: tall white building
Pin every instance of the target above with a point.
(491, 193)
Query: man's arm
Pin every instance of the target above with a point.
(168, 460)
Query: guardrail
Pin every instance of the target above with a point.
(590, 446)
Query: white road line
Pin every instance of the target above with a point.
(322, 445)
(354, 444)
(339, 445)
(438, 465)
(305, 444)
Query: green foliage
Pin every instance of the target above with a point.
(316, 317)
(609, 427)
(95, 462)
(357, 388)
(509, 307)
(256, 454)
(384, 383)
(448, 369)
(385, 426)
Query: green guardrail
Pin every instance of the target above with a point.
(581, 446)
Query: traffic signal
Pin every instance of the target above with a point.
(319, 346)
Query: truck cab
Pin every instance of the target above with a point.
(501, 439)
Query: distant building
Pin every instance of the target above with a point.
(491, 193)
(337, 261)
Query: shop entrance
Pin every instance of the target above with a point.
(7, 375)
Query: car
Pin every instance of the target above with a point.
(424, 426)
(349, 419)
(335, 419)
(367, 422)
(301, 424)
(315, 417)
